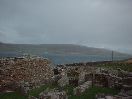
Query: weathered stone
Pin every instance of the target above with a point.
(32, 97)
(53, 95)
(80, 89)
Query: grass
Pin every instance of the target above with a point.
(68, 89)
(34, 92)
(115, 65)
(37, 91)
(88, 94)
(91, 92)
(12, 95)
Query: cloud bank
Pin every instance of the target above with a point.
(95, 23)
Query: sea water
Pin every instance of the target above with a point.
(66, 59)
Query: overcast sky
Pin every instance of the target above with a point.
(94, 23)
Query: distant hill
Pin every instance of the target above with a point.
(66, 49)
(128, 60)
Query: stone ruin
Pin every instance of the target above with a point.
(24, 73)
(74, 75)
(64, 79)
(103, 96)
(122, 81)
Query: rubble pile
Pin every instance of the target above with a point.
(35, 71)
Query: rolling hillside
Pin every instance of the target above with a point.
(55, 48)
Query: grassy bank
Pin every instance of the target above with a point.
(116, 65)
(91, 92)
(37, 91)
(88, 94)
(12, 95)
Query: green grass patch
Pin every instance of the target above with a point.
(37, 91)
(68, 89)
(88, 94)
(91, 92)
(34, 92)
(116, 65)
(12, 95)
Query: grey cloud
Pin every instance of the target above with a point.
(97, 23)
